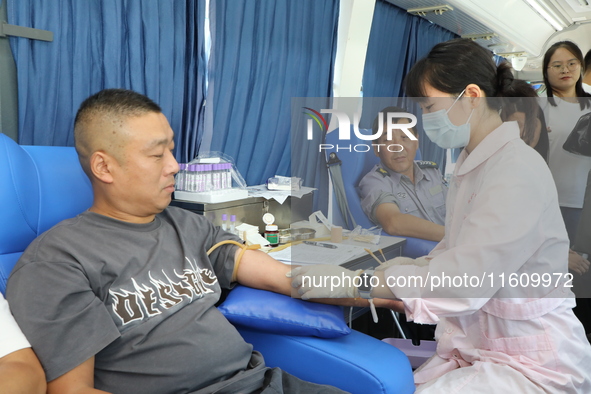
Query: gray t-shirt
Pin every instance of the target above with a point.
(424, 199)
(138, 297)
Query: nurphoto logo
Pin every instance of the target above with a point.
(385, 119)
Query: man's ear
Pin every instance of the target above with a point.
(101, 166)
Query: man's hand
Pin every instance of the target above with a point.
(577, 263)
(324, 281)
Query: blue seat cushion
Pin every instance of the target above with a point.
(281, 314)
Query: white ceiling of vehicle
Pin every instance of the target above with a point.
(518, 28)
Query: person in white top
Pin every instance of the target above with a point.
(587, 75)
(567, 102)
(502, 221)
(20, 370)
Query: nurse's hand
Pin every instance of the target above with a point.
(577, 263)
(421, 262)
(324, 281)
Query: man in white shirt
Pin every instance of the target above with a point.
(20, 371)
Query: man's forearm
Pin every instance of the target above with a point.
(406, 225)
(259, 270)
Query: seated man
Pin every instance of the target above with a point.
(20, 371)
(122, 297)
(405, 197)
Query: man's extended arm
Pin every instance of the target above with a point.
(261, 271)
(400, 224)
(21, 372)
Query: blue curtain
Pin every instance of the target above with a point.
(98, 44)
(191, 131)
(397, 40)
(264, 53)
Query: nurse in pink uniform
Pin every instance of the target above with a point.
(502, 327)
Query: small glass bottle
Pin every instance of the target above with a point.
(233, 224)
(223, 176)
(180, 178)
(225, 222)
(217, 176)
(228, 170)
(272, 234)
(199, 178)
(190, 178)
(208, 172)
(196, 178)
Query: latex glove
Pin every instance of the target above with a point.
(421, 262)
(324, 281)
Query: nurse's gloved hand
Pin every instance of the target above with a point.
(324, 281)
(421, 262)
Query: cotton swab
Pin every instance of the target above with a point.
(383, 255)
(373, 255)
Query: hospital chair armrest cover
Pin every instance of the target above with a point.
(356, 363)
(417, 247)
(281, 314)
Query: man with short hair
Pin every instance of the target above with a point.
(405, 197)
(20, 371)
(122, 297)
(587, 74)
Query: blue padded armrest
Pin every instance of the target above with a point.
(280, 327)
(281, 314)
(417, 247)
(356, 362)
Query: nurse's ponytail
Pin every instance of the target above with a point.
(508, 86)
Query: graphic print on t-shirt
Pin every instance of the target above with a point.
(151, 298)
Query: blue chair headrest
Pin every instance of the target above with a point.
(19, 198)
(39, 187)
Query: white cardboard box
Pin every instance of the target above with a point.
(213, 196)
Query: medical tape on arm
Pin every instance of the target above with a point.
(239, 258)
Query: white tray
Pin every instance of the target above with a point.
(213, 196)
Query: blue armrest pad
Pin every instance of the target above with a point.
(417, 247)
(356, 363)
(281, 314)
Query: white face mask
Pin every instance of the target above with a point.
(443, 132)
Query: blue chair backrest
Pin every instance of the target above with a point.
(39, 187)
(355, 164)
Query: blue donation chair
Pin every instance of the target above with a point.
(354, 167)
(40, 186)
